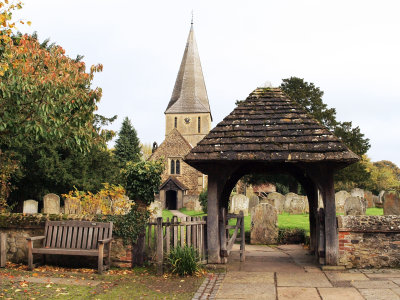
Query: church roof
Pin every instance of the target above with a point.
(270, 127)
(172, 183)
(189, 94)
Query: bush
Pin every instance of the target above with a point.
(291, 236)
(203, 199)
(184, 260)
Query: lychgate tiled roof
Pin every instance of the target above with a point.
(189, 94)
(268, 126)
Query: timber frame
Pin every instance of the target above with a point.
(269, 133)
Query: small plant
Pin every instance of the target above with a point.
(184, 260)
(203, 199)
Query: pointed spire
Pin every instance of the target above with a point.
(189, 94)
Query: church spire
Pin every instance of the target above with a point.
(189, 94)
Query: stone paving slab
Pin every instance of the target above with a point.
(379, 294)
(54, 280)
(383, 275)
(374, 284)
(340, 276)
(397, 291)
(238, 290)
(250, 277)
(298, 293)
(305, 280)
(340, 293)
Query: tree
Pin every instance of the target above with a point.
(127, 146)
(46, 99)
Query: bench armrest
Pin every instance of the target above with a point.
(105, 241)
(35, 238)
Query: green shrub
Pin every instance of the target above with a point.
(184, 260)
(291, 236)
(203, 199)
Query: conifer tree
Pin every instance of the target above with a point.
(127, 146)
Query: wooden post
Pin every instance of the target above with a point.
(175, 230)
(205, 238)
(159, 246)
(182, 230)
(3, 249)
(193, 229)
(168, 237)
(313, 215)
(321, 235)
(331, 236)
(100, 258)
(213, 241)
(242, 234)
(222, 233)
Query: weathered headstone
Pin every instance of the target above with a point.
(30, 207)
(239, 202)
(340, 199)
(380, 200)
(356, 192)
(264, 225)
(253, 201)
(277, 200)
(155, 208)
(288, 200)
(354, 206)
(368, 196)
(298, 205)
(193, 204)
(375, 199)
(391, 203)
(51, 204)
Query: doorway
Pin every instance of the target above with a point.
(171, 200)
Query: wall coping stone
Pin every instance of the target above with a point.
(373, 224)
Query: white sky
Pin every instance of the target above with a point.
(350, 49)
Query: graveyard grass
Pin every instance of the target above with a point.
(285, 220)
(137, 283)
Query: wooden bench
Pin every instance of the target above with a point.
(74, 238)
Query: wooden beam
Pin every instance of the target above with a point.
(213, 241)
(331, 235)
(3, 249)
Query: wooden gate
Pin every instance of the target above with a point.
(162, 236)
(227, 240)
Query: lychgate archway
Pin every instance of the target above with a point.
(270, 132)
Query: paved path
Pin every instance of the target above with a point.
(178, 214)
(288, 272)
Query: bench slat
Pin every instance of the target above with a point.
(67, 251)
(54, 237)
(89, 240)
(74, 237)
(95, 238)
(79, 239)
(84, 237)
(48, 236)
(79, 223)
(67, 244)
(59, 236)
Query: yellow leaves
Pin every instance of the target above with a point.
(29, 23)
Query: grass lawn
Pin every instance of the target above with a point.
(138, 283)
(285, 220)
(192, 213)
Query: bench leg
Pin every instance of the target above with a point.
(100, 260)
(30, 256)
(109, 255)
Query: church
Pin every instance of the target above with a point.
(187, 120)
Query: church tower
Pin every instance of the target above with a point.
(189, 110)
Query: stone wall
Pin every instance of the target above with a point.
(19, 227)
(369, 241)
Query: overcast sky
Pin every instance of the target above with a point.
(350, 49)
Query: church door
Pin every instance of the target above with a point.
(171, 199)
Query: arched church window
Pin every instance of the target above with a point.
(198, 125)
(178, 167)
(172, 166)
(176, 122)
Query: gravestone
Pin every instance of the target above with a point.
(155, 208)
(30, 207)
(354, 206)
(375, 199)
(368, 196)
(193, 204)
(239, 202)
(277, 200)
(380, 200)
(340, 199)
(288, 199)
(391, 203)
(298, 205)
(51, 204)
(264, 225)
(356, 192)
(253, 201)
(72, 207)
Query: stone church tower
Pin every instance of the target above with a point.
(187, 120)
